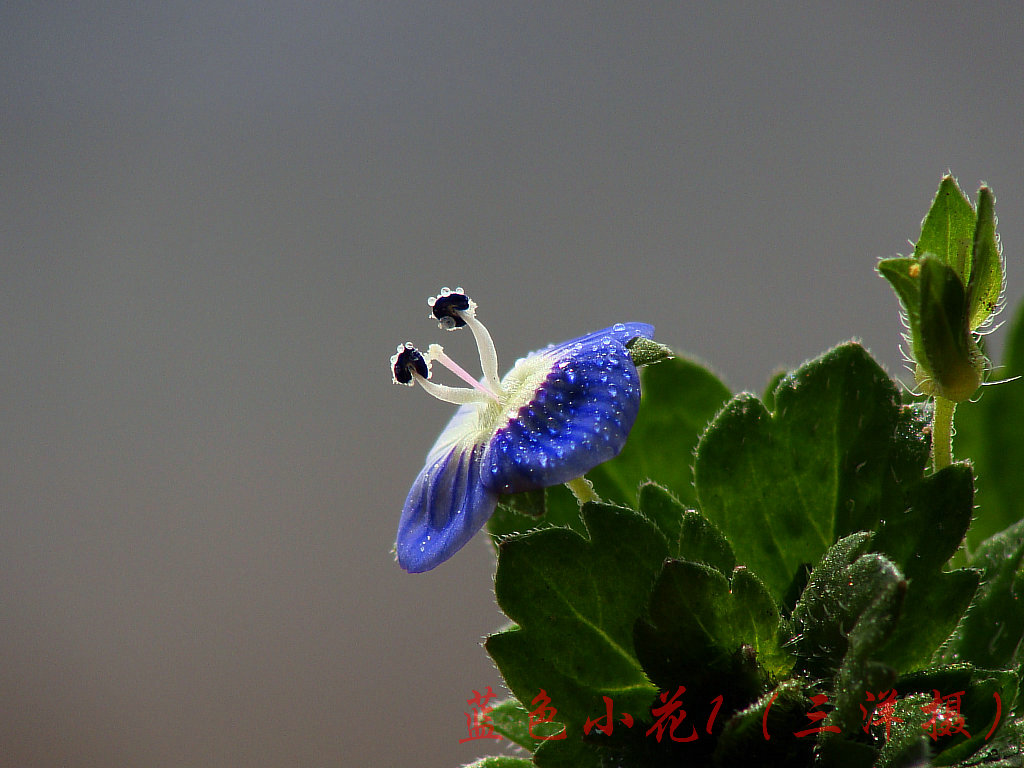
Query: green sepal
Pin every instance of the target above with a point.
(950, 287)
(951, 364)
(947, 230)
(647, 351)
(903, 274)
(987, 279)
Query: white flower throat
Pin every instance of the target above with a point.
(493, 396)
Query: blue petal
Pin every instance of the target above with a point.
(580, 416)
(446, 506)
(621, 332)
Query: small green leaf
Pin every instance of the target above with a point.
(860, 672)
(512, 721)
(986, 284)
(907, 745)
(842, 587)
(989, 433)
(981, 695)
(838, 454)
(716, 637)
(680, 397)
(690, 536)
(948, 229)
(576, 602)
(553, 507)
(990, 633)
(923, 537)
(755, 619)
(921, 541)
(500, 761)
(762, 734)
(568, 753)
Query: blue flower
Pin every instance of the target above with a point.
(557, 414)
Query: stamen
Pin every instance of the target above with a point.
(436, 352)
(485, 346)
(454, 309)
(410, 366)
(456, 395)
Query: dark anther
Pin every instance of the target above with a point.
(409, 361)
(444, 309)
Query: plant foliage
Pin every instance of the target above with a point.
(788, 581)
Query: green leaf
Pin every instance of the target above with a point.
(690, 536)
(921, 540)
(923, 537)
(842, 587)
(948, 229)
(752, 737)
(512, 721)
(984, 695)
(718, 639)
(709, 634)
(838, 454)
(1005, 749)
(500, 761)
(576, 602)
(989, 433)
(860, 672)
(680, 397)
(769, 391)
(568, 753)
(756, 621)
(990, 633)
(907, 744)
(535, 510)
(986, 284)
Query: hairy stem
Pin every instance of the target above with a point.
(942, 433)
(583, 490)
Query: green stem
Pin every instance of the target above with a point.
(942, 433)
(583, 490)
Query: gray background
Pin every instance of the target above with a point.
(217, 221)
